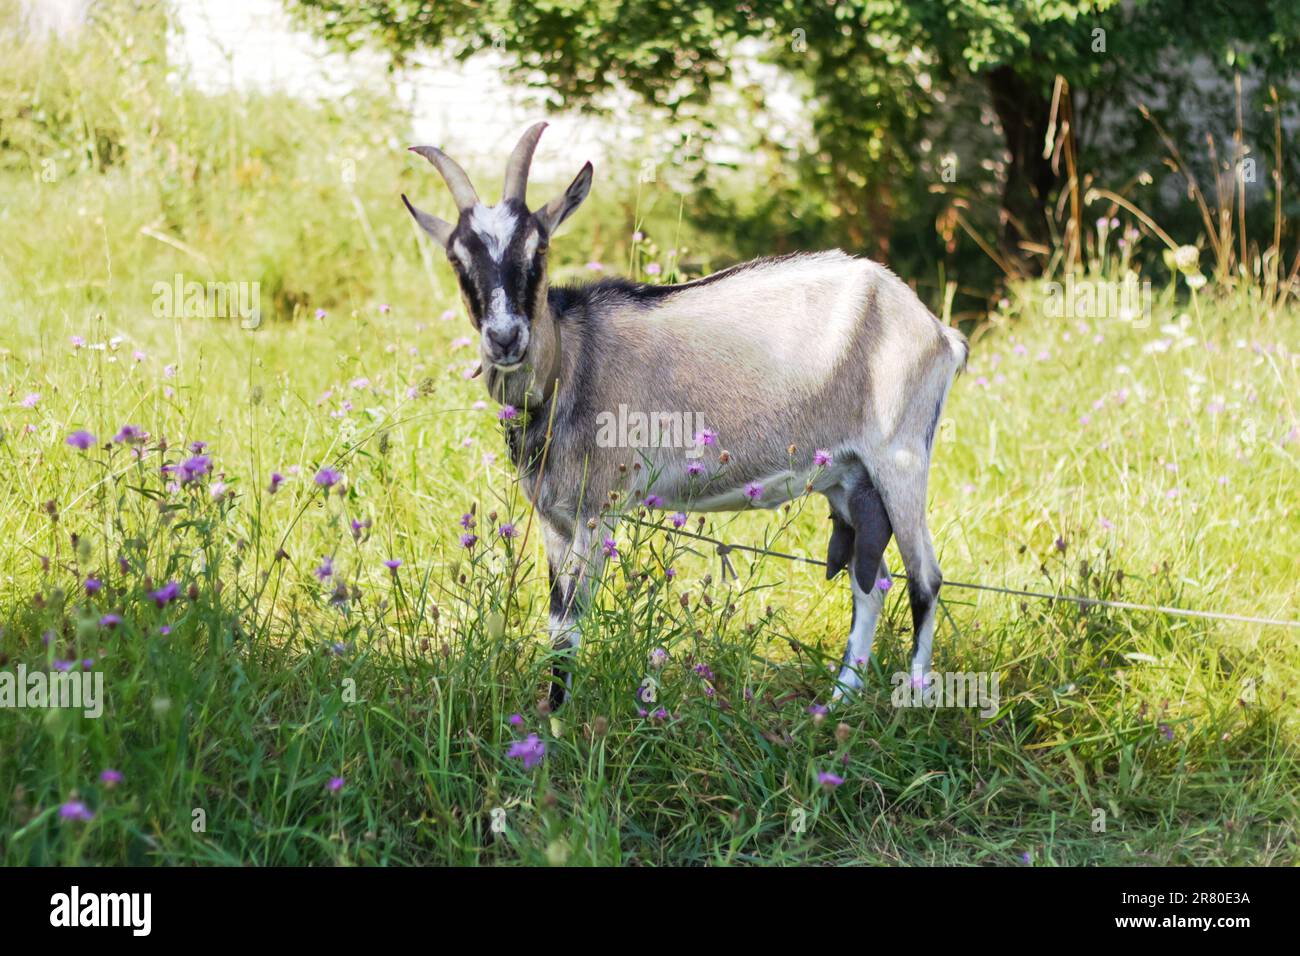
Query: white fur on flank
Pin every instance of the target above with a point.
(787, 322)
(496, 226)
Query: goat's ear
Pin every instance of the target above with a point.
(439, 229)
(563, 206)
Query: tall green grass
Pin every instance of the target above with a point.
(1097, 456)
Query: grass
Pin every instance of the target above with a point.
(1153, 463)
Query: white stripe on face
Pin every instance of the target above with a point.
(495, 226)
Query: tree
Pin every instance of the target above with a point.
(882, 74)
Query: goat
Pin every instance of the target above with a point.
(816, 372)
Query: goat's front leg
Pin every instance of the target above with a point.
(574, 564)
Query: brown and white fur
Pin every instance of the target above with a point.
(816, 351)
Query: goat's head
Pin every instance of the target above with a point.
(499, 252)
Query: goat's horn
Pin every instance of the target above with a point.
(520, 160)
(462, 190)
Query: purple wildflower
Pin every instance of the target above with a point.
(516, 720)
(818, 710)
(110, 620)
(328, 477)
(467, 520)
(706, 436)
(531, 750)
(277, 480)
(75, 810)
(695, 468)
(110, 777)
(884, 584)
(193, 468)
(335, 784)
(753, 491)
(130, 435)
(326, 569)
(392, 564)
(29, 401)
(653, 501)
(679, 519)
(609, 548)
(829, 780)
(81, 439)
(821, 458)
(166, 594)
(508, 531)
(93, 585)
(507, 413)
(468, 540)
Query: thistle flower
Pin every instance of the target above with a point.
(29, 401)
(75, 810)
(507, 413)
(508, 531)
(110, 621)
(679, 519)
(706, 436)
(328, 477)
(80, 439)
(516, 720)
(531, 750)
(93, 585)
(194, 468)
(335, 784)
(166, 594)
(277, 480)
(326, 569)
(130, 435)
(468, 540)
(884, 584)
(110, 777)
(821, 457)
(695, 468)
(753, 491)
(829, 780)
(392, 564)
(609, 548)
(653, 501)
(467, 520)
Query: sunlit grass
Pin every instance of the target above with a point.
(1154, 463)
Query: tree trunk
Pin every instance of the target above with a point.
(1023, 111)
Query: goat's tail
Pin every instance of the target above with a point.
(960, 351)
(960, 347)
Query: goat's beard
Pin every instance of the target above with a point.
(519, 387)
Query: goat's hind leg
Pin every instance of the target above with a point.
(864, 534)
(905, 493)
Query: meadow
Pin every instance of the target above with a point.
(293, 545)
